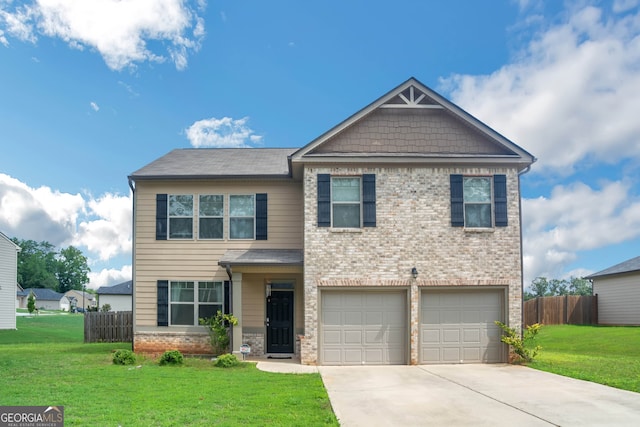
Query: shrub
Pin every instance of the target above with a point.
(226, 361)
(218, 327)
(106, 308)
(124, 357)
(525, 346)
(171, 357)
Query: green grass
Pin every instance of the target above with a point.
(602, 354)
(45, 362)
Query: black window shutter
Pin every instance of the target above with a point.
(227, 297)
(261, 216)
(369, 200)
(161, 217)
(163, 303)
(500, 200)
(324, 200)
(457, 201)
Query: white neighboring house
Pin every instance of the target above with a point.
(119, 296)
(48, 299)
(618, 290)
(8, 282)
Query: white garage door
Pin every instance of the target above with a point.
(457, 326)
(363, 328)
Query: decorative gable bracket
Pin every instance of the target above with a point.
(411, 97)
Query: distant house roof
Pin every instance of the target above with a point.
(198, 163)
(123, 288)
(44, 294)
(627, 266)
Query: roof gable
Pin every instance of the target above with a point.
(627, 266)
(123, 288)
(44, 294)
(414, 123)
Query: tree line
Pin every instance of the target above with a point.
(543, 287)
(40, 265)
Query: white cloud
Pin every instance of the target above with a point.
(118, 30)
(109, 276)
(224, 132)
(109, 232)
(576, 218)
(94, 106)
(102, 225)
(624, 5)
(572, 94)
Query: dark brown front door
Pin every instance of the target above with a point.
(280, 322)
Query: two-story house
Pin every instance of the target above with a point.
(393, 238)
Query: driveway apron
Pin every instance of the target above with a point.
(472, 395)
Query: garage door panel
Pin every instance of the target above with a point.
(352, 337)
(352, 318)
(332, 337)
(372, 327)
(457, 326)
(332, 318)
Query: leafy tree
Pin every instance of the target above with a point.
(72, 270)
(36, 264)
(580, 286)
(40, 266)
(31, 303)
(543, 287)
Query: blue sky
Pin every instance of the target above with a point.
(93, 90)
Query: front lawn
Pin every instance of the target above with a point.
(602, 354)
(45, 362)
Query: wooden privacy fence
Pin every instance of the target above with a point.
(567, 309)
(108, 327)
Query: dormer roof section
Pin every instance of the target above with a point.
(413, 124)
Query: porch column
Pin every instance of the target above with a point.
(236, 309)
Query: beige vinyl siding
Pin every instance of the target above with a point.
(194, 259)
(618, 299)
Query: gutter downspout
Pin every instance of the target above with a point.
(133, 259)
(522, 172)
(227, 267)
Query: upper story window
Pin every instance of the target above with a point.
(478, 201)
(210, 216)
(345, 202)
(242, 216)
(176, 215)
(180, 216)
(191, 301)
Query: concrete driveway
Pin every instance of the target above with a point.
(472, 395)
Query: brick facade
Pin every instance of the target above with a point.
(158, 342)
(413, 230)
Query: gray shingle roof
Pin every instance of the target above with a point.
(44, 294)
(194, 163)
(123, 288)
(627, 266)
(262, 257)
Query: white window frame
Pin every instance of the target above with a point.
(200, 216)
(196, 303)
(253, 217)
(359, 203)
(490, 202)
(169, 216)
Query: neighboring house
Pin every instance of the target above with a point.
(393, 238)
(81, 299)
(21, 297)
(618, 290)
(118, 296)
(48, 299)
(8, 282)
